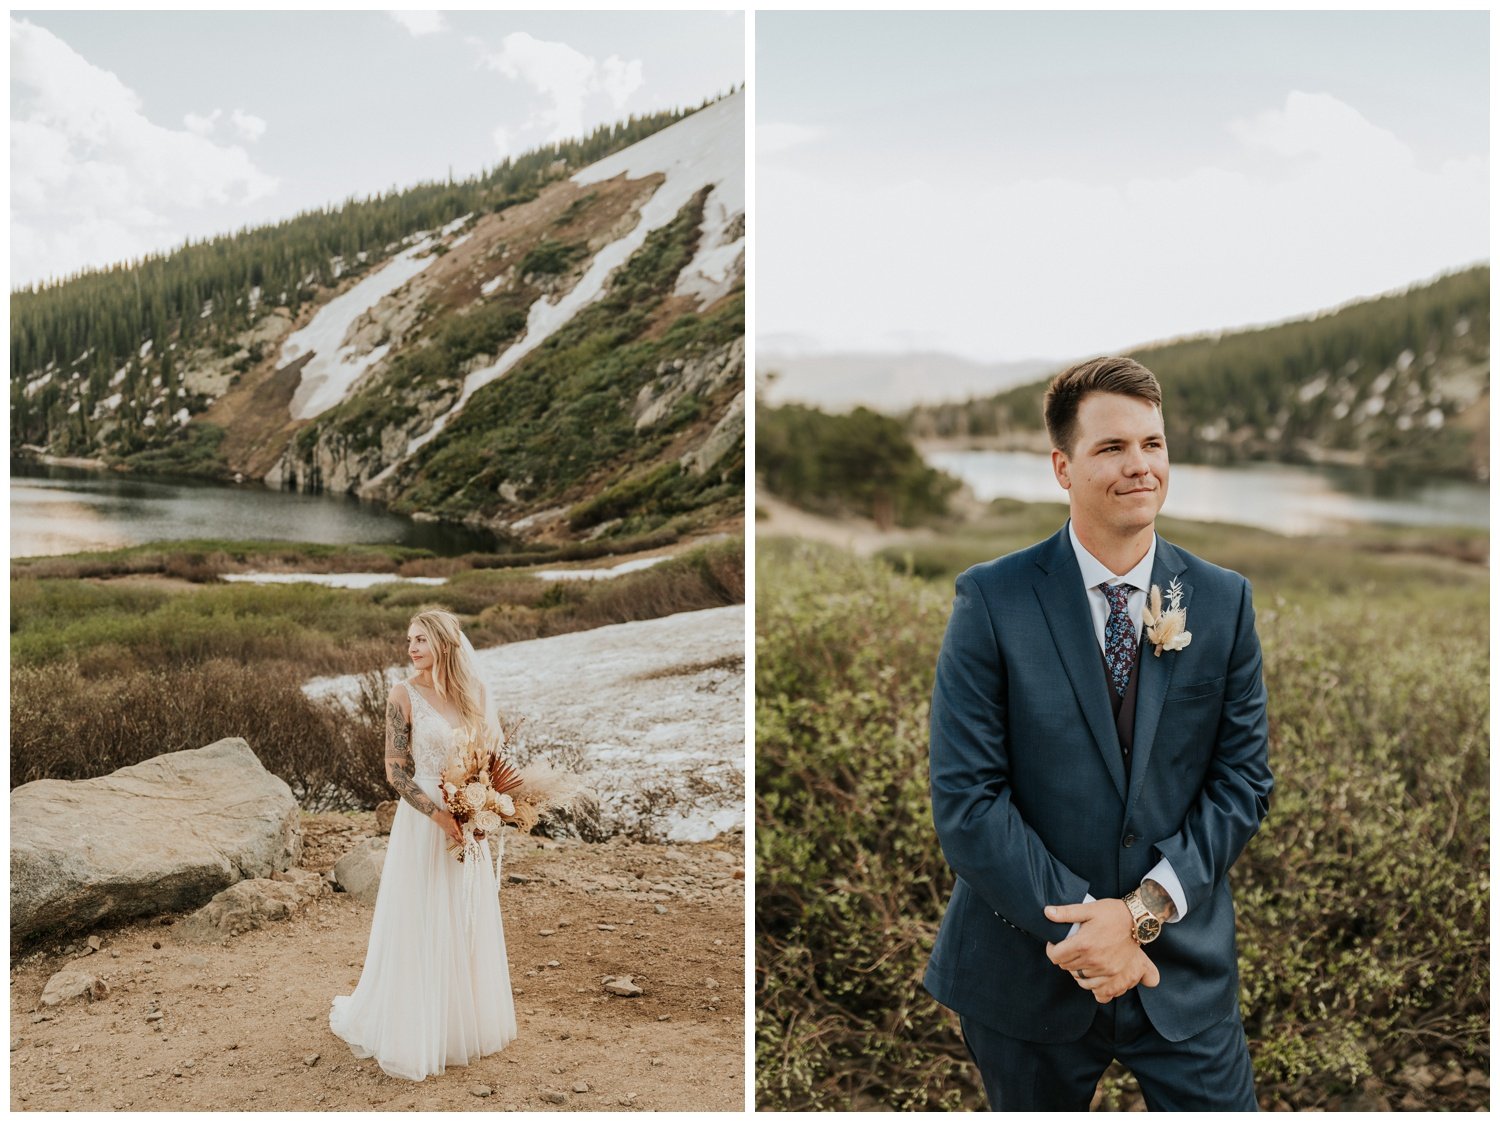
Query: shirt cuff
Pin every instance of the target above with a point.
(1088, 898)
(1163, 875)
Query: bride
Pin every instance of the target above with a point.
(435, 989)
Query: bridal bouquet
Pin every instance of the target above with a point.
(484, 792)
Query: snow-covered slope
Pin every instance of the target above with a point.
(706, 149)
(660, 731)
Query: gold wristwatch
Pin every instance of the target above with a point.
(1147, 926)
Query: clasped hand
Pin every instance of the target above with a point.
(1102, 949)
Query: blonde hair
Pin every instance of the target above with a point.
(454, 676)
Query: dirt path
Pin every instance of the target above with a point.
(245, 1024)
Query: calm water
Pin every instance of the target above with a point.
(1290, 500)
(65, 510)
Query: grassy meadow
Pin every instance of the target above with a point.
(1363, 902)
(122, 656)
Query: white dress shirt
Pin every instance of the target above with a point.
(1095, 573)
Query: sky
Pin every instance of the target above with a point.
(133, 131)
(1023, 185)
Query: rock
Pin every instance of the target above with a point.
(481, 1091)
(158, 1014)
(611, 927)
(358, 871)
(94, 943)
(385, 814)
(1476, 1079)
(555, 1096)
(544, 932)
(623, 986)
(580, 1088)
(253, 903)
(517, 878)
(312, 1060)
(553, 962)
(161, 835)
(661, 909)
(73, 985)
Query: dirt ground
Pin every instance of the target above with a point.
(244, 1023)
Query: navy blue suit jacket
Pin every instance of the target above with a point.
(1032, 804)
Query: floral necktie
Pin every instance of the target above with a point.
(1119, 636)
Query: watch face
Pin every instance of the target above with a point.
(1148, 928)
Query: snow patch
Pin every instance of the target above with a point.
(334, 368)
(145, 348)
(489, 286)
(663, 716)
(599, 574)
(329, 580)
(705, 149)
(113, 401)
(37, 383)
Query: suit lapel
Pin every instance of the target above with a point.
(1155, 673)
(1065, 606)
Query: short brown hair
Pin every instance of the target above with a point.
(1098, 375)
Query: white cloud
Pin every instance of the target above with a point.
(92, 179)
(250, 126)
(565, 77)
(1323, 127)
(1314, 206)
(777, 136)
(202, 126)
(620, 79)
(421, 23)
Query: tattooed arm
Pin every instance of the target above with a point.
(400, 764)
(1157, 901)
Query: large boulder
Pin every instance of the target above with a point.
(161, 835)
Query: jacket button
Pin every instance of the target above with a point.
(1129, 840)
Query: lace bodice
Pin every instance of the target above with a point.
(432, 737)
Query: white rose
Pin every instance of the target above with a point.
(474, 795)
(507, 806)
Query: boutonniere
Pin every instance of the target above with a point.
(1167, 629)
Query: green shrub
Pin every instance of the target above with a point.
(1363, 901)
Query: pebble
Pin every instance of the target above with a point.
(154, 1016)
(656, 1062)
(481, 1091)
(311, 1060)
(623, 986)
(553, 962)
(554, 1096)
(665, 1017)
(611, 927)
(564, 923)
(548, 931)
(661, 909)
(580, 1088)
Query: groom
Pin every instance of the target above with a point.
(1098, 761)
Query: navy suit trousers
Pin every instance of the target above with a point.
(1208, 1071)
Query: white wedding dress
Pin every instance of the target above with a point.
(435, 989)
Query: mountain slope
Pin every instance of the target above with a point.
(563, 364)
(1399, 381)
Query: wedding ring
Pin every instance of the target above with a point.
(1080, 974)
